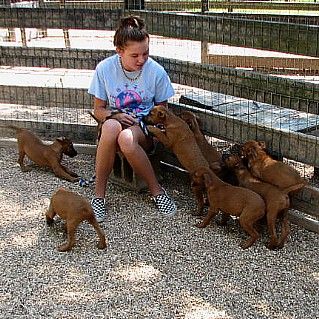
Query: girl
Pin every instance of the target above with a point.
(126, 86)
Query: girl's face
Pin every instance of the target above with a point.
(134, 55)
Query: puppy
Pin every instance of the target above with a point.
(74, 209)
(276, 199)
(177, 136)
(210, 153)
(268, 169)
(231, 200)
(180, 139)
(44, 155)
(213, 157)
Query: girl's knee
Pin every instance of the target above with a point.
(111, 127)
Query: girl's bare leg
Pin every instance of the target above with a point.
(105, 155)
(133, 142)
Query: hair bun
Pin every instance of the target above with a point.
(133, 22)
(130, 28)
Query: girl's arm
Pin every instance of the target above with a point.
(100, 109)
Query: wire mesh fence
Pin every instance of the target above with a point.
(252, 74)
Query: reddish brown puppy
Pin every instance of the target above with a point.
(269, 170)
(212, 156)
(44, 155)
(180, 139)
(231, 200)
(74, 209)
(177, 136)
(276, 199)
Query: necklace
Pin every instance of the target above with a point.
(124, 72)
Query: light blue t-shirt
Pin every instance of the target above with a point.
(110, 84)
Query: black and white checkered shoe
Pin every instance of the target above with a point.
(165, 204)
(99, 208)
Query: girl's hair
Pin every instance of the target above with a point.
(130, 29)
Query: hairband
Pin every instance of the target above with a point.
(132, 22)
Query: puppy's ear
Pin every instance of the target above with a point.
(207, 178)
(215, 166)
(262, 144)
(192, 123)
(237, 164)
(198, 121)
(195, 174)
(162, 114)
(253, 153)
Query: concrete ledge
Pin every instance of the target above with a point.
(304, 221)
(293, 145)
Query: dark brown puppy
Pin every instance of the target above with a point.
(74, 209)
(180, 139)
(269, 170)
(44, 155)
(231, 200)
(276, 199)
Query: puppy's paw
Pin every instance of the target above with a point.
(63, 248)
(101, 245)
(200, 225)
(272, 246)
(152, 129)
(49, 221)
(197, 213)
(74, 179)
(73, 174)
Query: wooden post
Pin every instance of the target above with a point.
(204, 52)
(230, 8)
(205, 6)
(12, 35)
(66, 38)
(23, 37)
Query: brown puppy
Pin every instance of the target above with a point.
(276, 199)
(270, 170)
(210, 153)
(231, 200)
(74, 209)
(213, 157)
(180, 139)
(48, 156)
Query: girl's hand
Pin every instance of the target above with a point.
(125, 119)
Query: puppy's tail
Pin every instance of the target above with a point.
(95, 118)
(294, 189)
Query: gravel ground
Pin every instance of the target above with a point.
(153, 267)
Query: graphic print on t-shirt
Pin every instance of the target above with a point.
(128, 99)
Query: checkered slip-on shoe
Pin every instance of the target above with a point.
(165, 204)
(99, 208)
